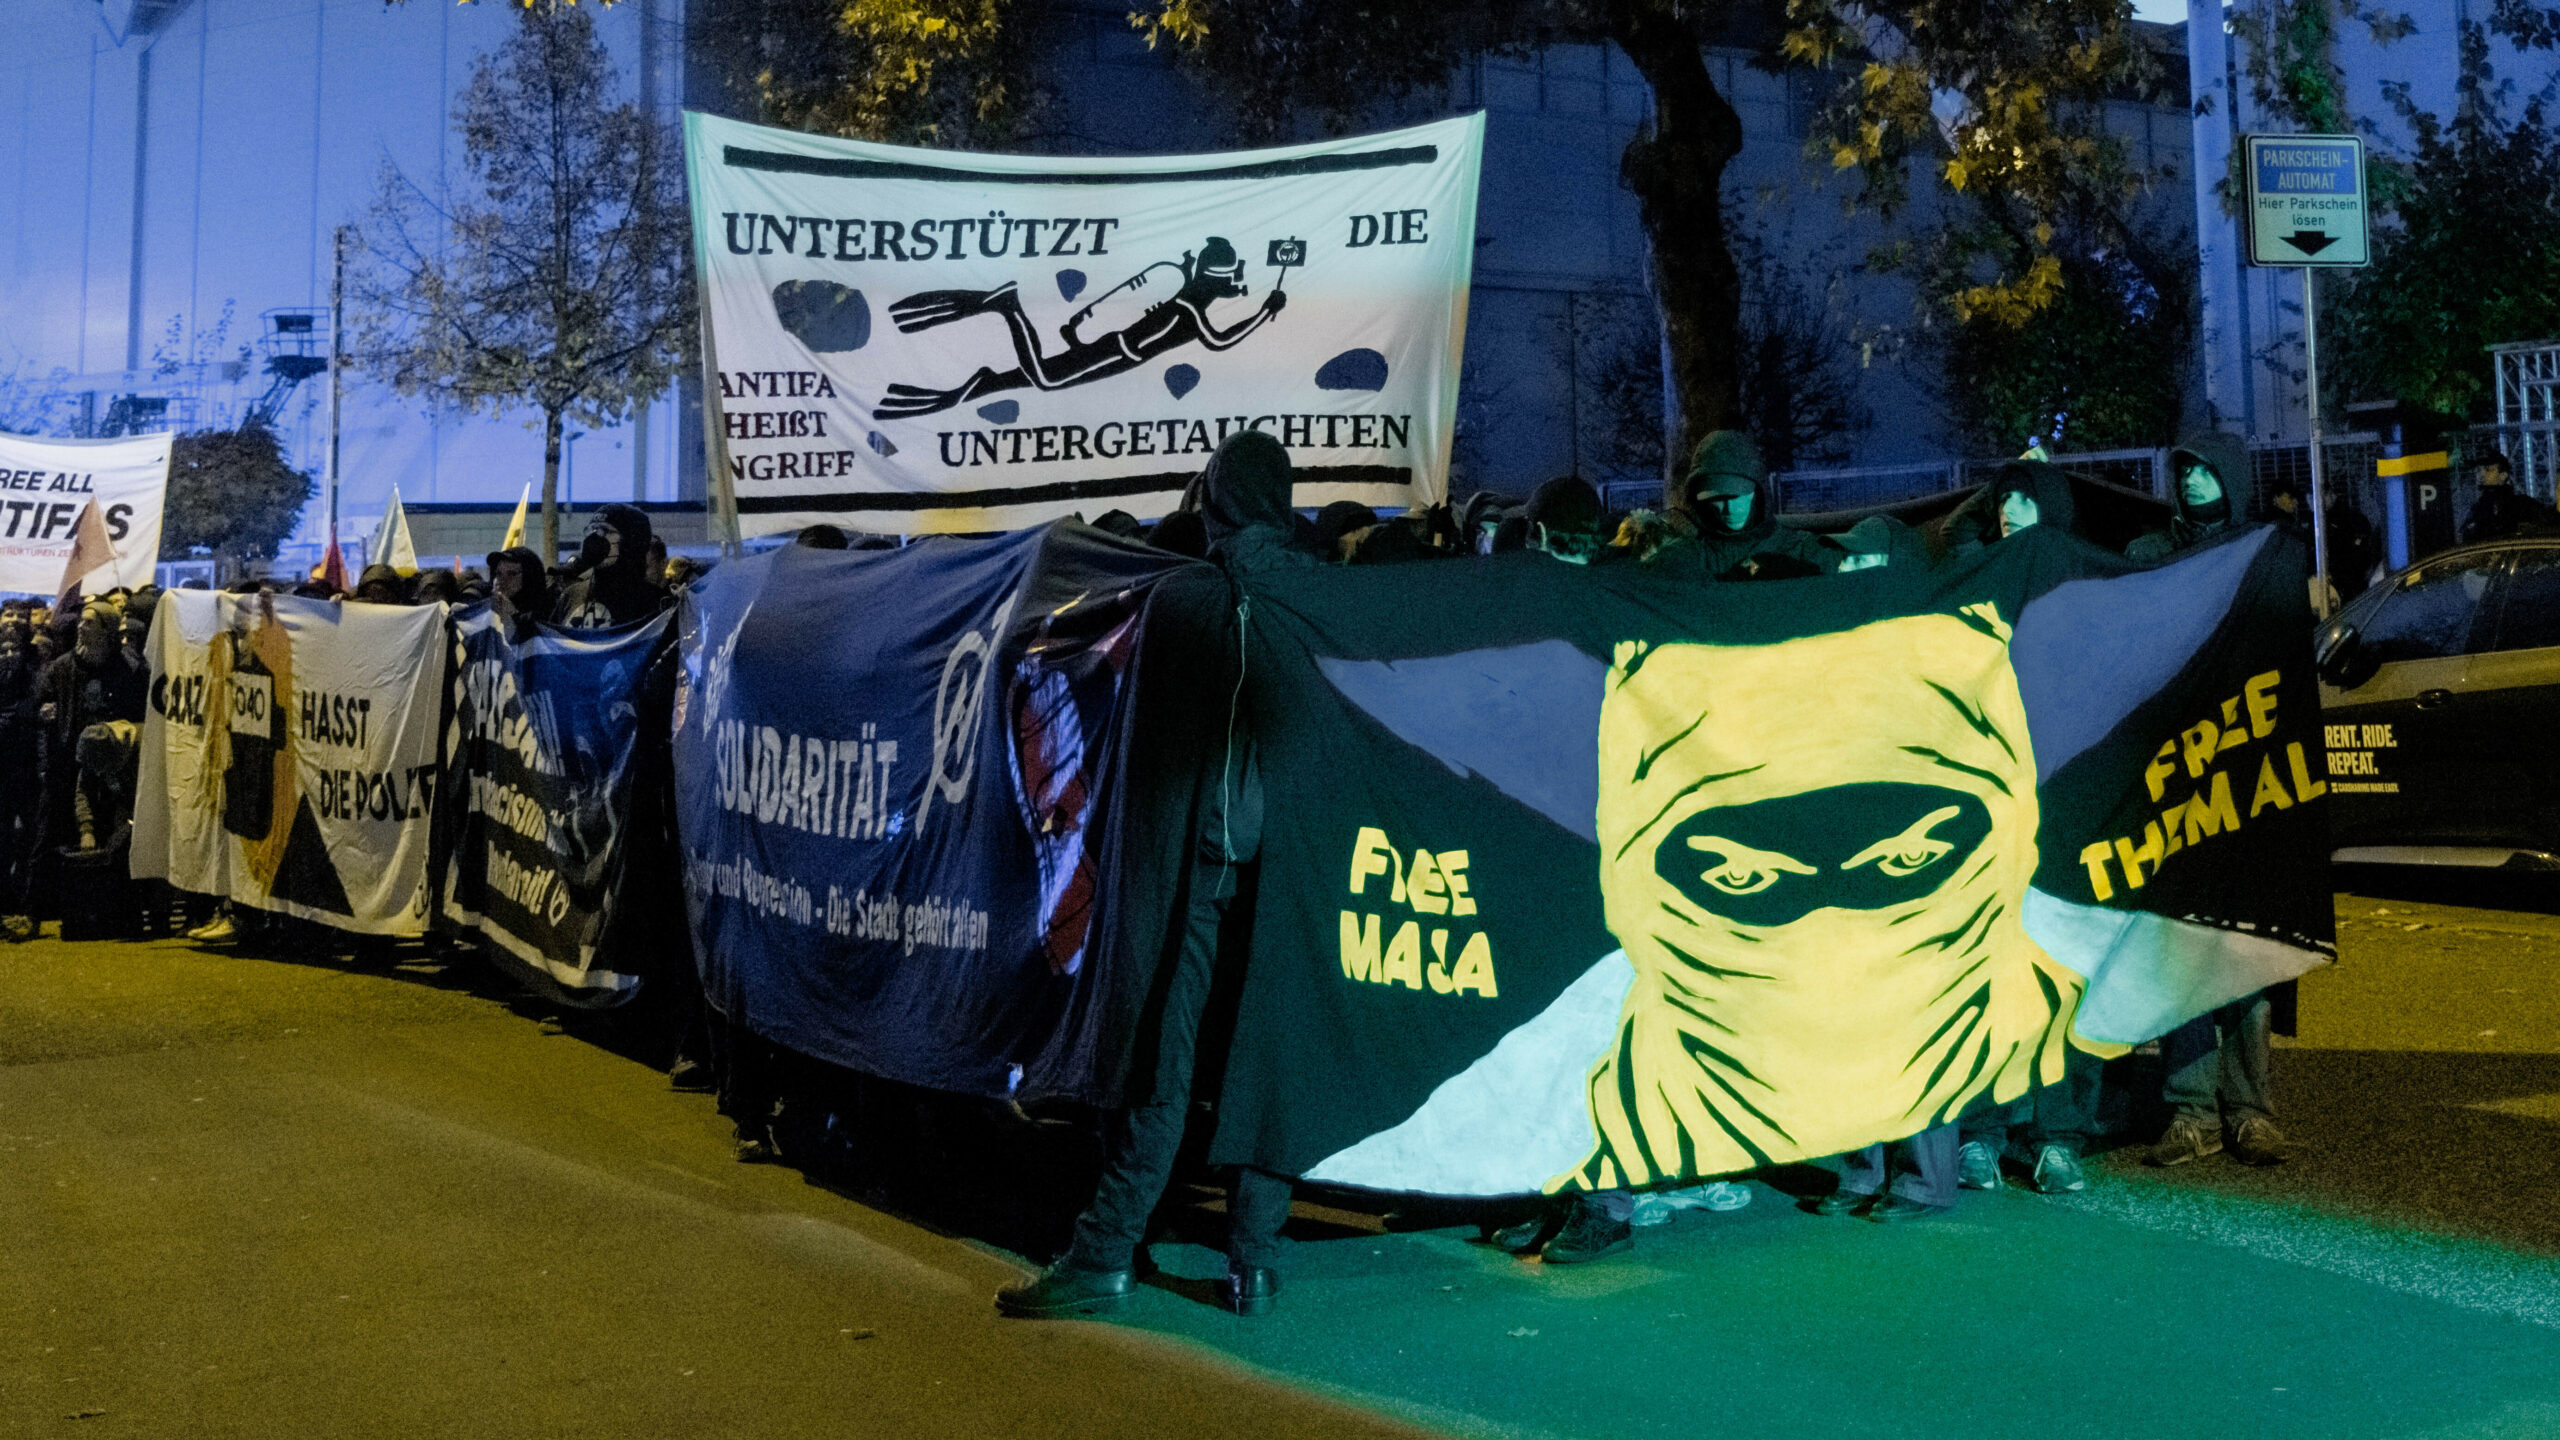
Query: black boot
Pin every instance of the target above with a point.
(1249, 1289)
(1061, 1291)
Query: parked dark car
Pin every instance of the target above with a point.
(2440, 692)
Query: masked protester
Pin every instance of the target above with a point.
(1563, 517)
(92, 684)
(2355, 547)
(1339, 526)
(1879, 542)
(21, 777)
(1725, 498)
(1477, 520)
(382, 585)
(519, 585)
(614, 584)
(1243, 501)
(2217, 1081)
(2029, 493)
(2214, 489)
(1181, 533)
(439, 585)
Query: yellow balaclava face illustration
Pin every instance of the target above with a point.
(1815, 853)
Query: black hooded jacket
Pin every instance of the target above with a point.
(2228, 455)
(536, 603)
(616, 592)
(1243, 502)
(1724, 554)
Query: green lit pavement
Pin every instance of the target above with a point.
(2400, 1278)
(259, 1198)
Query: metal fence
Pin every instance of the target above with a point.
(2349, 459)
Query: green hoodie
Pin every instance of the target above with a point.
(1729, 457)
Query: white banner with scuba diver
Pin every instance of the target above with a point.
(915, 341)
(289, 758)
(45, 484)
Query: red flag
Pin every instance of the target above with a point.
(333, 568)
(89, 550)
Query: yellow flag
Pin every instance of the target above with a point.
(515, 527)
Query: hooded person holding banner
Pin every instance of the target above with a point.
(1243, 501)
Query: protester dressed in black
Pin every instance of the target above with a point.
(614, 585)
(1242, 500)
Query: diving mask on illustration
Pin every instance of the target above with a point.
(1816, 853)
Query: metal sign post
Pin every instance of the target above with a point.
(2307, 211)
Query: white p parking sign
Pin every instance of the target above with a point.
(2306, 200)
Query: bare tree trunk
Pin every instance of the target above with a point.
(550, 488)
(1676, 169)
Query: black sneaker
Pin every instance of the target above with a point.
(1588, 1235)
(1838, 1202)
(1064, 1292)
(1531, 1235)
(1898, 1210)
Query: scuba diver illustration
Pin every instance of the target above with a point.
(1216, 274)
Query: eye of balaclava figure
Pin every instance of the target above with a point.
(1819, 888)
(2199, 487)
(2017, 512)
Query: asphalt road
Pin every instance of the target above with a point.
(262, 1198)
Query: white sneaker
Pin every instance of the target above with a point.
(219, 928)
(1655, 1207)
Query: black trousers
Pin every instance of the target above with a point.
(1139, 1143)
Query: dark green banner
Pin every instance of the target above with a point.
(1583, 877)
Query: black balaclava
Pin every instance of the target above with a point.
(1181, 533)
(382, 575)
(1246, 488)
(1564, 519)
(631, 559)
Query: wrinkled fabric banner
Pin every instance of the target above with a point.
(918, 341)
(1615, 880)
(896, 774)
(43, 485)
(548, 730)
(291, 757)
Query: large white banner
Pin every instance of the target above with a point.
(927, 340)
(43, 485)
(290, 755)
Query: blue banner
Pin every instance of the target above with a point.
(895, 782)
(548, 733)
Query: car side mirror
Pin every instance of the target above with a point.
(2341, 658)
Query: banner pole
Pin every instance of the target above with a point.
(2319, 470)
(337, 322)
